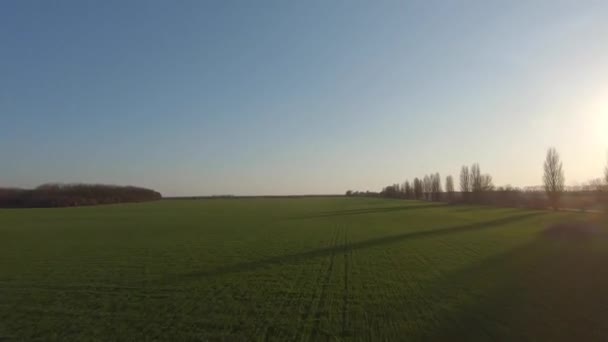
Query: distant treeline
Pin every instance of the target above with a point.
(478, 188)
(248, 196)
(70, 195)
(532, 198)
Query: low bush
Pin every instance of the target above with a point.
(69, 195)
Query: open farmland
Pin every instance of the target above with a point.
(304, 269)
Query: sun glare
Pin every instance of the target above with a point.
(602, 126)
(598, 111)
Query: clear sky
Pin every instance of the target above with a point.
(295, 97)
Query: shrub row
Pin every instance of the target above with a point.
(69, 195)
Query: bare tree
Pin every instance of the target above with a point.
(554, 177)
(438, 179)
(436, 187)
(391, 191)
(426, 187)
(480, 183)
(476, 179)
(449, 187)
(465, 182)
(408, 190)
(486, 183)
(433, 187)
(596, 184)
(418, 188)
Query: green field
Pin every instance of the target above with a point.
(309, 269)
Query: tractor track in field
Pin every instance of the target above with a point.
(267, 327)
(348, 264)
(322, 284)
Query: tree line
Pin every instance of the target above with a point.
(478, 188)
(68, 195)
(429, 187)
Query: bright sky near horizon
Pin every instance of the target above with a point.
(299, 97)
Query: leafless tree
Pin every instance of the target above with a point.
(480, 183)
(449, 187)
(436, 187)
(418, 188)
(596, 184)
(426, 186)
(486, 183)
(408, 190)
(465, 179)
(391, 191)
(476, 178)
(438, 180)
(465, 182)
(554, 177)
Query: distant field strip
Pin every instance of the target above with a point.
(302, 269)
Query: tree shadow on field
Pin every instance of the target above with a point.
(326, 251)
(371, 211)
(552, 289)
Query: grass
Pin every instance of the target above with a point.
(302, 269)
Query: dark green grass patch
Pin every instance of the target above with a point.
(302, 269)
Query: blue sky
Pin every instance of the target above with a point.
(294, 97)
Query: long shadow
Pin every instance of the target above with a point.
(552, 289)
(320, 252)
(371, 211)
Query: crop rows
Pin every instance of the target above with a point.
(299, 270)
